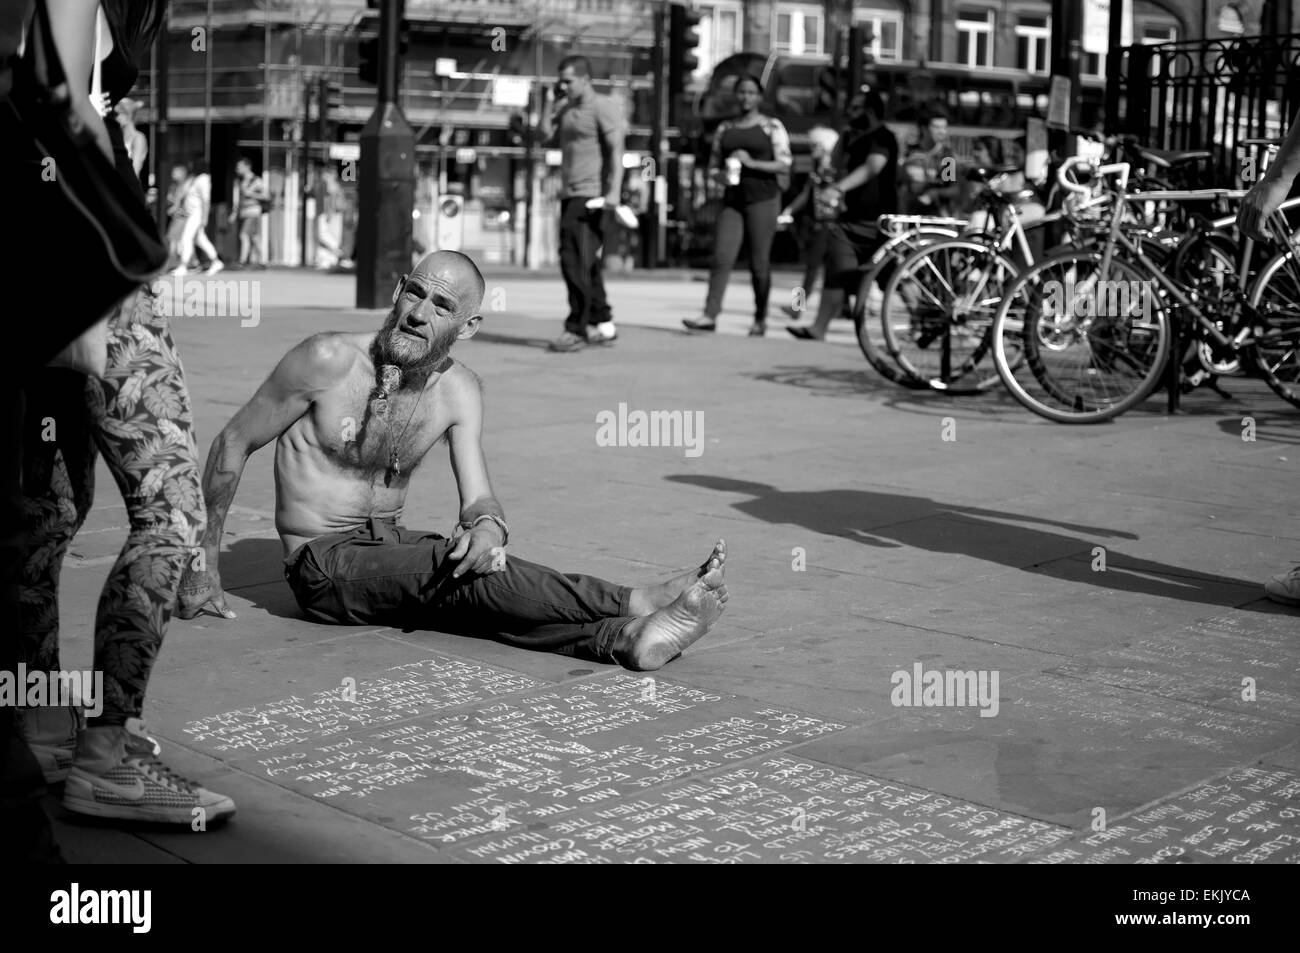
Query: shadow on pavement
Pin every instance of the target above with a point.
(926, 524)
(1269, 427)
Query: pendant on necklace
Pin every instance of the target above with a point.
(394, 464)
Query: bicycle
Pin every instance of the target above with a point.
(907, 234)
(939, 303)
(1086, 334)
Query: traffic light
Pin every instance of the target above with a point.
(829, 82)
(683, 41)
(368, 61)
(331, 99)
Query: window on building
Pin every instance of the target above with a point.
(1033, 40)
(721, 33)
(797, 29)
(975, 38)
(886, 29)
(1230, 21)
(1159, 33)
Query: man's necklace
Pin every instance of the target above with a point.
(390, 376)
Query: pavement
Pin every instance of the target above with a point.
(1130, 696)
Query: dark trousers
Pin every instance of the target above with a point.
(384, 574)
(814, 256)
(846, 252)
(582, 232)
(757, 221)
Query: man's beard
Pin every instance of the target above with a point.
(408, 353)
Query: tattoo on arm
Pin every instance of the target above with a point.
(220, 481)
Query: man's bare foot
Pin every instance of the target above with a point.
(649, 599)
(651, 642)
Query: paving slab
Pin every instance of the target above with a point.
(861, 543)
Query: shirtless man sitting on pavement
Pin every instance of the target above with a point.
(355, 414)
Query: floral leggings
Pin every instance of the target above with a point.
(139, 419)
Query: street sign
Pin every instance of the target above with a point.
(1058, 103)
(345, 151)
(1096, 25)
(443, 66)
(510, 91)
(466, 156)
(554, 157)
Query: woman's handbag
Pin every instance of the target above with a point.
(87, 205)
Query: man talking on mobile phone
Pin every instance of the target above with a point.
(588, 130)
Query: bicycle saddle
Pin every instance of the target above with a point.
(1167, 158)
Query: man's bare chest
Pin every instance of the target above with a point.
(370, 434)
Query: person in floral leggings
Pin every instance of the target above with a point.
(139, 418)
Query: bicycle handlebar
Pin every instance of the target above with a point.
(1115, 168)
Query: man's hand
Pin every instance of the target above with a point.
(201, 589)
(479, 551)
(1260, 203)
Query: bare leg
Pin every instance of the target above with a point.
(647, 599)
(651, 642)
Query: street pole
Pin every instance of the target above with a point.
(306, 161)
(161, 173)
(657, 63)
(1067, 48)
(1115, 32)
(387, 177)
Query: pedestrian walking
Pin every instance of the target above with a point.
(252, 200)
(1260, 203)
(588, 129)
(193, 205)
(134, 408)
(751, 159)
(868, 188)
(809, 228)
(184, 208)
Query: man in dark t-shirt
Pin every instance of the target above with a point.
(867, 157)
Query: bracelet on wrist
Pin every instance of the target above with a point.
(468, 525)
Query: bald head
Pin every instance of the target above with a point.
(459, 271)
(434, 306)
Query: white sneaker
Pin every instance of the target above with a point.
(1284, 587)
(216, 266)
(179, 271)
(603, 333)
(117, 773)
(51, 733)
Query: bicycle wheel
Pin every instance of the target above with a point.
(938, 310)
(1076, 346)
(1275, 355)
(867, 328)
(1205, 266)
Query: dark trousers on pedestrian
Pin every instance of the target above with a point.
(847, 250)
(582, 233)
(757, 222)
(384, 574)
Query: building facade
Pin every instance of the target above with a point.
(242, 74)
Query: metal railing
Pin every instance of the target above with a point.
(1211, 94)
